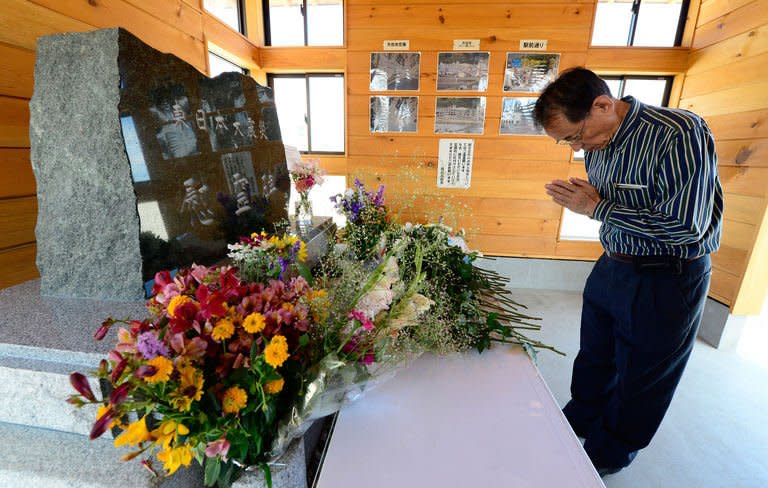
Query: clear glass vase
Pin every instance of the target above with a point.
(304, 210)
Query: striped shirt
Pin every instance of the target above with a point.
(659, 184)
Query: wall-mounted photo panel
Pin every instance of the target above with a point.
(394, 114)
(530, 72)
(460, 115)
(462, 71)
(394, 71)
(517, 117)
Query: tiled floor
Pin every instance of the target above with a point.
(715, 433)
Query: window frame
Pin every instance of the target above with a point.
(623, 78)
(271, 83)
(268, 29)
(241, 20)
(244, 71)
(636, 4)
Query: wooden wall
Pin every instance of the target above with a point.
(727, 83)
(506, 210)
(176, 26)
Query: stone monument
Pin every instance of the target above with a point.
(143, 163)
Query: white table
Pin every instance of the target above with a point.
(472, 420)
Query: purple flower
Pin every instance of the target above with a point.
(378, 200)
(150, 346)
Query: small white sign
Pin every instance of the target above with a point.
(397, 45)
(454, 166)
(466, 44)
(292, 157)
(533, 45)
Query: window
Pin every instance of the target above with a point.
(639, 22)
(218, 65)
(304, 22)
(310, 108)
(321, 198)
(652, 90)
(228, 11)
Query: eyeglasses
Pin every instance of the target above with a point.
(576, 138)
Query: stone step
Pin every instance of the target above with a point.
(40, 458)
(34, 383)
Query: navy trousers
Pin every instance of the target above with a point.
(638, 326)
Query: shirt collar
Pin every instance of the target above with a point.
(627, 125)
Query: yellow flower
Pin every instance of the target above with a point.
(174, 458)
(175, 302)
(115, 423)
(164, 368)
(274, 386)
(254, 323)
(190, 387)
(135, 433)
(181, 402)
(223, 330)
(302, 256)
(169, 431)
(276, 352)
(234, 400)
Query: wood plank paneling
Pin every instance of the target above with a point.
(18, 216)
(724, 285)
(741, 125)
(743, 152)
(733, 22)
(744, 180)
(754, 286)
(739, 99)
(23, 22)
(524, 246)
(17, 67)
(176, 13)
(564, 38)
(163, 36)
(742, 208)
(14, 122)
(730, 258)
(712, 9)
(738, 235)
(737, 74)
(18, 265)
(394, 17)
(18, 179)
(303, 60)
(637, 60)
(746, 45)
(583, 250)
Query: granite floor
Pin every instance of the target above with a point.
(714, 434)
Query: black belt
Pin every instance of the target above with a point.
(651, 262)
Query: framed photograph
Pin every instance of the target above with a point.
(530, 72)
(460, 115)
(394, 114)
(463, 71)
(517, 117)
(394, 71)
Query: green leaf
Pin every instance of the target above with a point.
(303, 340)
(267, 474)
(254, 352)
(305, 272)
(212, 470)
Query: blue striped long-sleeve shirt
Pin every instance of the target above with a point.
(659, 184)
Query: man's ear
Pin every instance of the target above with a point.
(603, 104)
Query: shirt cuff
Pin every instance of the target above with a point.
(603, 210)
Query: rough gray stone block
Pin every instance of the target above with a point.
(88, 225)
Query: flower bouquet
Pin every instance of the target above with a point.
(305, 176)
(209, 372)
(367, 220)
(261, 257)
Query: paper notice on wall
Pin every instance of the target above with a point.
(292, 157)
(454, 167)
(397, 45)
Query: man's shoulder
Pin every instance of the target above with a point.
(675, 120)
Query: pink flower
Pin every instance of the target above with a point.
(218, 448)
(355, 314)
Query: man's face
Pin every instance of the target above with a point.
(592, 133)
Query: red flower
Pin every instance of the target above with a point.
(211, 303)
(119, 394)
(101, 332)
(80, 383)
(102, 423)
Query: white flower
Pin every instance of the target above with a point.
(418, 305)
(375, 301)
